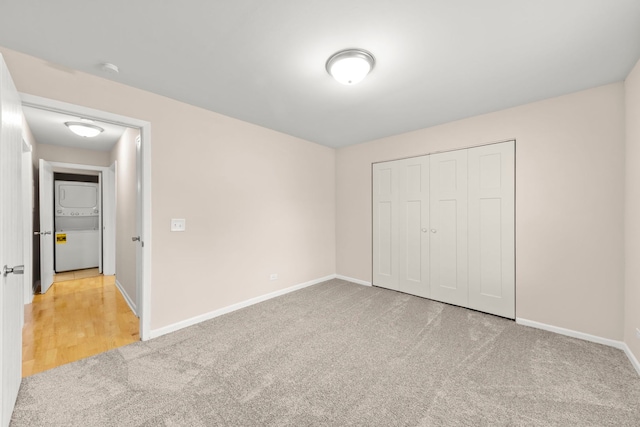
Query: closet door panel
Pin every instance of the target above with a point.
(448, 229)
(385, 225)
(413, 214)
(491, 229)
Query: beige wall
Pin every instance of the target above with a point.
(632, 211)
(260, 202)
(569, 203)
(256, 201)
(57, 153)
(124, 153)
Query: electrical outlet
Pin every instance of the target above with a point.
(178, 224)
(638, 333)
(273, 276)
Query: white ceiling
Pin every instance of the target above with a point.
(264, 61)
(48, 128)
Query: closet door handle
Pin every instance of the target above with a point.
(424, 230)
(433, 230)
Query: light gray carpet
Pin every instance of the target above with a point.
(342, 354)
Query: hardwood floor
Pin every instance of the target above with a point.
(75, 319)
(76, 274)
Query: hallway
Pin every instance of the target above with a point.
(75, 319)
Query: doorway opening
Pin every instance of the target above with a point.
(138, 280)
(76, 224)
(77, 220)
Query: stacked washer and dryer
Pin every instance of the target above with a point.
(77, 225)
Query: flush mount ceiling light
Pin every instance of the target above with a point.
(350, 66)
(84, 129)
(109, 68)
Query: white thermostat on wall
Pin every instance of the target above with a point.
(179, 224)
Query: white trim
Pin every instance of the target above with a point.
(145, 134)
(228, 309)
(351, 279)
(26, 176)
(145, 287)
(583, 336)
(571, 333)
(108, 222)
(74, 167)
(126, 297)
(107, 252)
(632, 358)
(86, 112)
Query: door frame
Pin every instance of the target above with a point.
(106, 190)
(144, 303)
(27, 206)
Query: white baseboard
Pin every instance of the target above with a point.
(583, 336)
(207, 316)
(632, 358)
(228, 309)
(571, 333)
(351, 279)
(126, 297)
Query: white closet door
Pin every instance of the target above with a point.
(491, 229)
(448, 230)
(385, 219)
(413, 226)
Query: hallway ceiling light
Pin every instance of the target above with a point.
(350, 66)
(84, 129)
(109, 68)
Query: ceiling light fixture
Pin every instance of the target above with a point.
(84, 129)
(350, 66)
(109, 68)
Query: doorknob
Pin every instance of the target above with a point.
(18, 269)
(433, 230)
(41, 233)
(136, 239)
(424, 230)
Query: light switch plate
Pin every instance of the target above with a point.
(178, 224)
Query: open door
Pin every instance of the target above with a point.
(11, 240)
(100, 224)
(46, 226)
(108, 220)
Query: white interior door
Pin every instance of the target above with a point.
(11, 241)
(46, 225)
(448, 229)
(100, 219)
(491, 229)
(385, 235)
(108, 222)
(413, 226)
